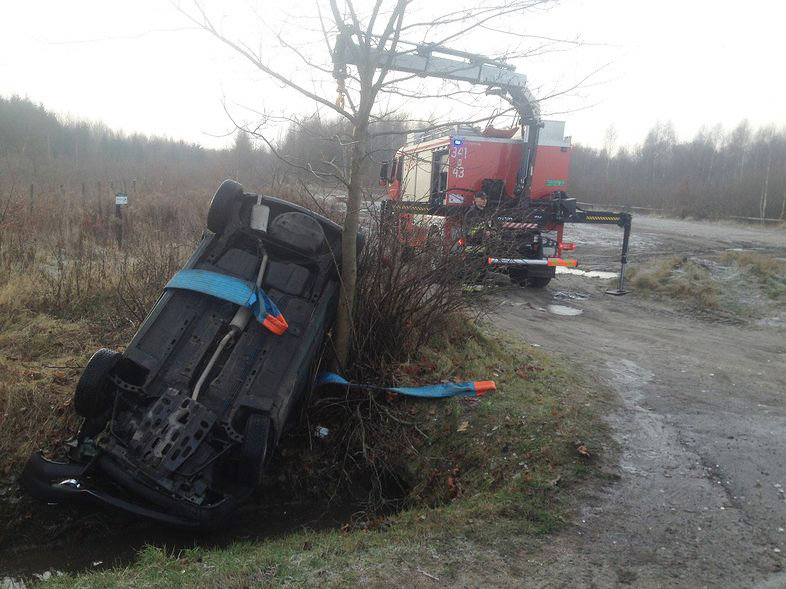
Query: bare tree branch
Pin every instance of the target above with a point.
(208, 26)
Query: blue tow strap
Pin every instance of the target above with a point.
(476, 388)
(234, 290)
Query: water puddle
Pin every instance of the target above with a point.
(777, 321)
(586, 273)
(563, 310)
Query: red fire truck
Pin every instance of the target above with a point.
(434, 179)
(445, 169)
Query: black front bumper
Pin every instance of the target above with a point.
(57, 482)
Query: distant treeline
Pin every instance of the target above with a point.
(58, 156)
(716, 174)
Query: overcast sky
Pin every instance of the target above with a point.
(136, 66)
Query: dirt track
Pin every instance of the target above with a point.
(701, 499)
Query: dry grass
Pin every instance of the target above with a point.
(66, 289)
(41, 358)
(768, 271)
(679, 278)
(736, 286)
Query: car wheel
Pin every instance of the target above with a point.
(92, 426)
(218, 214)
(253, 450)
(90, 398)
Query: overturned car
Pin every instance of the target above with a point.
(179, 426)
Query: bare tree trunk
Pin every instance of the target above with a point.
(344, 323)
(763, 202)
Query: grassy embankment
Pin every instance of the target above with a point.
(487, 478)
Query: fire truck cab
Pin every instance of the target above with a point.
(449, 166)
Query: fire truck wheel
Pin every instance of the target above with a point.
(518, 276)
(538, 281)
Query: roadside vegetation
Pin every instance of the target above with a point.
(769, 272)
(738, 285)
(680, 278)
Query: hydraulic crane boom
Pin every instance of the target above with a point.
(434, 61)
(425, 61)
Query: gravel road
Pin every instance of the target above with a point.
(701, 422)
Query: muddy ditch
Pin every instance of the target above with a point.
(307, 486)
(72, 539)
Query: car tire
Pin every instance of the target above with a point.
(218, 213)
(253, 450)
(90, 398)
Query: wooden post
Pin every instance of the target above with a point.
(119, 225)
(98, 194)
(31, 196)
(121, 200)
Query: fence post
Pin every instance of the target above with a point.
(119, 225)
(121, 200)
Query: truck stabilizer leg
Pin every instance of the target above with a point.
(620, 290)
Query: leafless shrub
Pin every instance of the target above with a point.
(410, 287)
